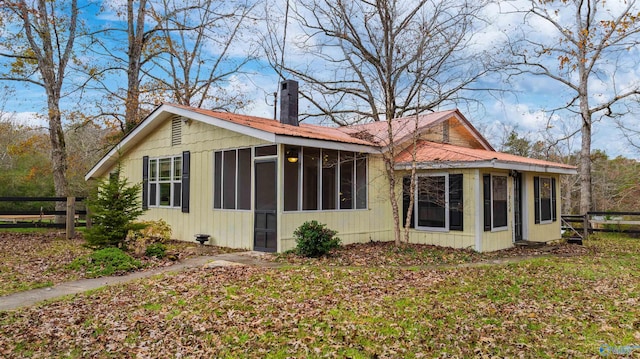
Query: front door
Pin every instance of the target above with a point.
(265, 217)
(517, 206)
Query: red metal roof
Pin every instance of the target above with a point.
(272, 126)
(402, 128)
(371, 134)
(427, 151)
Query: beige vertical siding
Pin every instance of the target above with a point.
(498, 239)
(227, 227)
(542, 232)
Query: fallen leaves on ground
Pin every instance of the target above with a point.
(390, 254)
(551, 306)
(32, 260)
(40, 259)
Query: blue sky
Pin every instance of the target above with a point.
(523, 109)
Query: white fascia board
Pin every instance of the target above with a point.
(161, 113)
(164, 111)
(227, 125)
(332, 145)
(490, 164)
(109, 159)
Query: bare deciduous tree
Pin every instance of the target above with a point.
(203, 49)
(371, 60)
(129, 51)
(169, 53)
(586, 44)
(39, 50)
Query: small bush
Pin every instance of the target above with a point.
(157, 250)
(313, 239)
(114, 207)
(147, 233)
(155, 231)
(105, 262)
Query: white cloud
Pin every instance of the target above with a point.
(28, 119)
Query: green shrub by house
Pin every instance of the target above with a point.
(114, 208)
(313, 239)
(105, 262)
(153, 232)
(157, 250)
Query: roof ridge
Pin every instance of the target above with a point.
(398, 119)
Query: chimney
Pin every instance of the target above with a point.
(289, 102)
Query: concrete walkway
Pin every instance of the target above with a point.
(31, 297)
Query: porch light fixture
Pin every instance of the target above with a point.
(292, 155)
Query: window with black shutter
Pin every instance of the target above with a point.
(486, 194)
(145, 182)
(406, 199)
(162, 182)
(438, 203)
(455, 203)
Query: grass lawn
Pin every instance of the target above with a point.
(549, 306)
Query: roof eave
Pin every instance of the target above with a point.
(326, 144)
(163, 111)
(494, 164)
(109, 159)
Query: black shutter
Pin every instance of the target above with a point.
(186, 164)
(145, 182)
(486, 191)
(554, 215)
(455, 202)
(406, 197)
(536, 198)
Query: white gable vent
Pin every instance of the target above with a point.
(176, 131)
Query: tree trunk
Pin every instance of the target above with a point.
(58, 157)
(135, 30)
(585, 166)
(391, 174)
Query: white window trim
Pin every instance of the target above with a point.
(503, 228)
(446, 203)
(158, 181)
(550, 220)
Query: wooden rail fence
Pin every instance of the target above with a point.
(581, 226)
(45, 218)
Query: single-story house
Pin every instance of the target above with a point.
(249, 182)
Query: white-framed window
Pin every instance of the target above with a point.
(544, 189)
(165, 182)
(432, 202)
